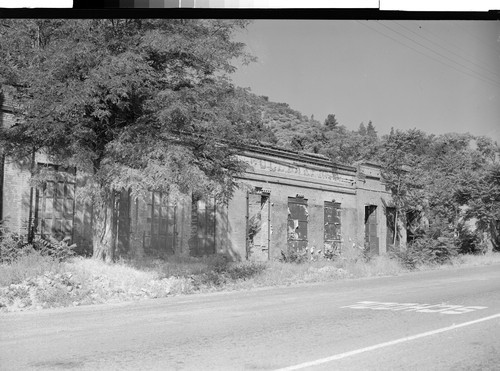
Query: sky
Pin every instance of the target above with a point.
(437, 76)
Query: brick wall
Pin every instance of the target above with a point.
(282, 174)
(16, 196)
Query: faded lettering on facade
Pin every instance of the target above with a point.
(260, 165)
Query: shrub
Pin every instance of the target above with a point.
(218, 263)
(331, 254)
(427, 250)
(409, 259)
(60, 250)
(244, 271)
(469, 242)
(13, 246)
(292, 256)
(220, 272)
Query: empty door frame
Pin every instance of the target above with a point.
(254, 223)
(371, 230)
(332, 226)
(297, 224)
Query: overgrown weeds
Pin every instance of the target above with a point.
(14, 246)
(427, 251)
(35, 280)
(28, 264)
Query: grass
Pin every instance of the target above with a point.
(476, 260)
(29, 265)
(34, 281)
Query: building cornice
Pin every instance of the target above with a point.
(304, 157)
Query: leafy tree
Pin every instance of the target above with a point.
(331, 122)
(139, 104)
(370, 130)
(481, 196)
(362, 129)
(488, 149)
(399, 155)
(432, 178)
(342, 145)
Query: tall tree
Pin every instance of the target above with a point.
(436, 176)
(140, 104)
(370, 130)
(399, 155)
(480, 194)
(331, 122)
(362, 129)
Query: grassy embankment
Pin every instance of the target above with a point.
(34, 281)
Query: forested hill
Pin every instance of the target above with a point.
(278, 124)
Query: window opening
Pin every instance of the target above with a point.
(332, 222)
(297, 224)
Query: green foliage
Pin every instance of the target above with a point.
(469, 241)
(370, 130)
(441, 180)
(331, 254)
(331, 122)
(140, 104)
(481, 197)
(436, 250)
(292, 256)
(362, 129)
(14, 246)
(220, 272)
(427, 251)
(30, 264)
(59, 250)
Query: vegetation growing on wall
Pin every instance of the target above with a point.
(138, 104)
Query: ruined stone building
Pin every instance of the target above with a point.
(285, 201)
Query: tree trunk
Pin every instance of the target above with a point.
(396, 214)
(395, 228)
(104, 228)
(495, 235)
(486, 240)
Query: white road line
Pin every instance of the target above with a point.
(386, 344)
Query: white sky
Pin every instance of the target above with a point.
(437, 76)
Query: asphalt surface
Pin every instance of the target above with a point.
(439, 320)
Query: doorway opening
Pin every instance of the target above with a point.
(371, 236)
(297, 224)
(258, 226)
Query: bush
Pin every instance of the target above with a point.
(244, 271)
(14, 246)
(218, 263)
(409, 259)
(220, 272)
(469, 242)
(427, 250)
(292, 256)
(60, 250)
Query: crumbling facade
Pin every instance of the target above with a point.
(286, 201)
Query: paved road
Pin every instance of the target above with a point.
(441, 320)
